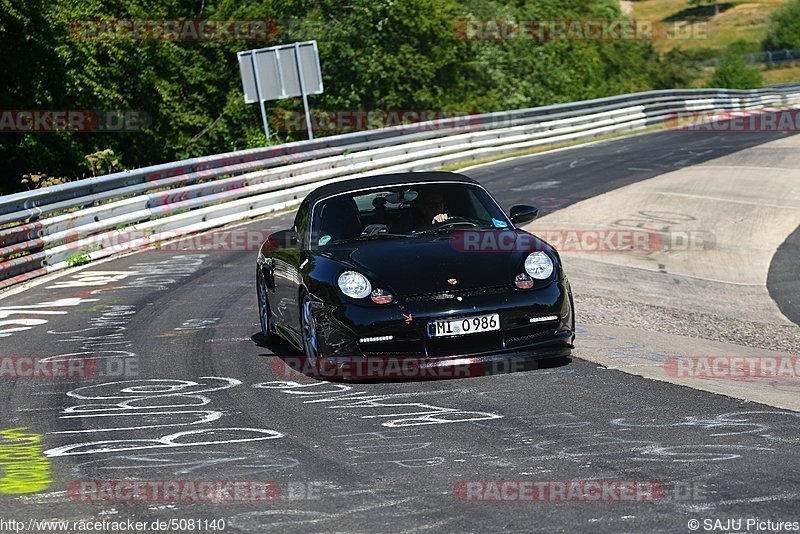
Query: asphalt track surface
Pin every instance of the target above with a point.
(367, 457)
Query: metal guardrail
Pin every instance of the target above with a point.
(40, 202)
(143, 206)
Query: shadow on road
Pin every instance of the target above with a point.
(289, 364)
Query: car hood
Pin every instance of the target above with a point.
(424, 264)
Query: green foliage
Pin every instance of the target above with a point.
(38, 180)
(784, 28)
(678, 68)
(734, 72)
(743, 47)
(715, 3)
(375, 55)
(79, 258)
(103, 162)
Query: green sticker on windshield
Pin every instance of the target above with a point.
(324, 240)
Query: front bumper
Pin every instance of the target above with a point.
(343, 330)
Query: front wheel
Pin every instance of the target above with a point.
(310, 340)
(263, 305)
(572, 310)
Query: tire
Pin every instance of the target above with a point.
(264, 314)
(309, 331)
(572, 308)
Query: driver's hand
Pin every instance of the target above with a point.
(442, 217)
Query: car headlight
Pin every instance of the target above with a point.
(539, 265)
(354, 285)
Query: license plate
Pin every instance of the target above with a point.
(464, 326)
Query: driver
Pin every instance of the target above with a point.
(430, 209)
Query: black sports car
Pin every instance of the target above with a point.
(416, 265)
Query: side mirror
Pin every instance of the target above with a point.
(523, 214)
(284, 239)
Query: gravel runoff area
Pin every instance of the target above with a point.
(613, 311)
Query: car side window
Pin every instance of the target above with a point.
(301, 224)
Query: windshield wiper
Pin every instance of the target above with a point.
(451, 227)
(383, 234)
(368, 237)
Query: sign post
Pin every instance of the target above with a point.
(300, 79)
(260, 99)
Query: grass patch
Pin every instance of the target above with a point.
(79, 258)
(783, 75)
(738, 20)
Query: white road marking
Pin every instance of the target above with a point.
(731, 200)
(766, 498)
(783, 169)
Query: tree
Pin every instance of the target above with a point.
(376, 55)
(676, 69)
(696, 3)
(783, 31)
(734, 72)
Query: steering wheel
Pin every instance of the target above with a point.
(452, 221)
(374, 229)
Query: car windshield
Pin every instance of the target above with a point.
(404, 211)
